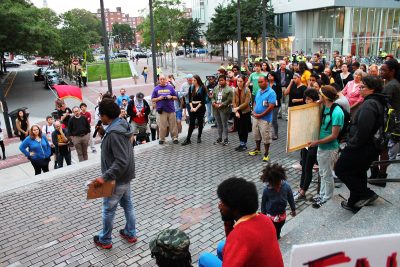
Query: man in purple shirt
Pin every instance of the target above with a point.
(164, 95)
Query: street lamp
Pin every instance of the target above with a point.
(192, 43)
(291, 39)
(248, 47)
(174, 68)
(206, 52)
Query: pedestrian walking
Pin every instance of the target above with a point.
(88, 116)
(276, 195)
(47, 130)
(197, 103)
(241, 107)
(356, 158)
(331, 123)
(37, 149)
(265, 101)
(145, 72)
(60, 139)
(164, 95)
(3, 149)
(79, 130)
(117, 164)
(22, 124)
(221, 102)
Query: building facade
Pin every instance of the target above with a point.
(119, 17)
(360, 28)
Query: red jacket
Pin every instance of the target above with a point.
(139, 120)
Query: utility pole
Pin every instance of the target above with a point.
(264, 29)
(239, 34)
(106, 54)
(153, 42)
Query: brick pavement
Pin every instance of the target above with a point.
(50, 223)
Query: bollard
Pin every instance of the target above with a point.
(101, 82)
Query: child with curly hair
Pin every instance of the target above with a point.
(276, 195)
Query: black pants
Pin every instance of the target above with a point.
(278, 228)
(352, 167)
(243, 126)
(40, 165)
(153, 134)
(3, 149)
(199, 115)
(61, 157)
(308, 159)
(84, 80)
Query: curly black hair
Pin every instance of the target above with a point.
(373, 82)
(109, 108)
(311, 93)
(239, 194)
(273, 174)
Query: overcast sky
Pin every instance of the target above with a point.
(131, 7)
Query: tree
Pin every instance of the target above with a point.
(191, 32)
(123, 33)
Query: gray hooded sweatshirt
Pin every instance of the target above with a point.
(117, 157)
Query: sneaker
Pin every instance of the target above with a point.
(274, 137)
(299, 197)
(242, 148)
(98, 243)
(318, 204)
(160, 142)
(237, 148)
(199, 140)
(315, 198)
(255, 152)
(218, 141)
(266, 158)
(226, 142)
(346, 206)
(129, 239)
(176, 141)
(214, 126)
(364, 202)
(186, 142)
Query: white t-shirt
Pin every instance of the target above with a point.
(48, 130)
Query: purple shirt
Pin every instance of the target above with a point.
(166, 105)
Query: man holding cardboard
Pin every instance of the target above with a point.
(117, 164)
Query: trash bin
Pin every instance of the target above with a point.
(13, 116)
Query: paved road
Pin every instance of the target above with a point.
(51, 223)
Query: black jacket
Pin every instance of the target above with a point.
(366, 122)
(132, 114)
(288, 75)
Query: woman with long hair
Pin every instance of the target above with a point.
(337, 68)
(304, 72)
(197, 103)
(37, 149)
(22, 124)
(344, 77)
(241, 108)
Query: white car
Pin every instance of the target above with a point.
(20, 59)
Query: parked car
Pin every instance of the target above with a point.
(54, 80)
(102, 57)
(11, 64)
(121, 55)
(44, 62)
(38, 75)
(200, 51)
(179, 52)
(20, 59)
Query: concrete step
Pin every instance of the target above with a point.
(332, 222)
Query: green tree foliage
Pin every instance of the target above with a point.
(123, 33)
(191, 32)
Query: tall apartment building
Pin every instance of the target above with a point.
(361, 28)
(204, 10)
(119, 17)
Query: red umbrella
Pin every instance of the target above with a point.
(65, 91)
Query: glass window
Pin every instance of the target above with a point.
(339, 16)
(356, 22)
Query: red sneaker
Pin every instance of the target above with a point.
(98, 243)
(129, 239)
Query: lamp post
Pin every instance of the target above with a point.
(291, 39)
(174, 69)
(192, 43)
(167, 46)
(248, 47)
(103, 22)
(206, 52)
(264, 30)
(153, 42)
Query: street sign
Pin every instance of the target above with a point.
(75, 61)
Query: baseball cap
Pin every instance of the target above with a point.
(189, 76)
(139, 95)
(170, 243)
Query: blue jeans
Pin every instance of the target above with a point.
(122, 195)
(210, 117)
(207, 259)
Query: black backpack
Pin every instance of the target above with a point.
(342, 137)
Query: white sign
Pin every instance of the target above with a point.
(372, 251)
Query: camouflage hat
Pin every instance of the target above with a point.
(170, 243)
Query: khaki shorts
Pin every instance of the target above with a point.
(262, 130)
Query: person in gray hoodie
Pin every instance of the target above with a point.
(117, 163)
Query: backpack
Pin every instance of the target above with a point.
(381, 136)
(392, 124)
(342, 137)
